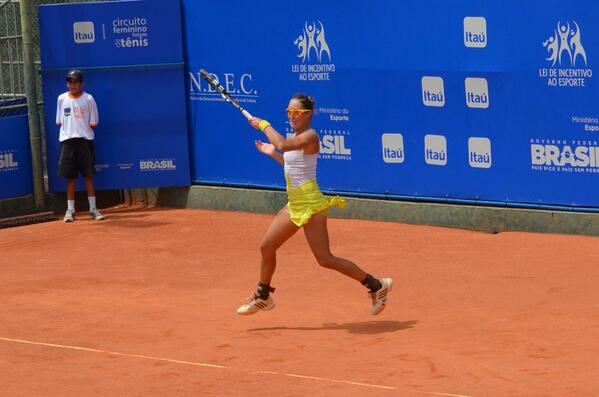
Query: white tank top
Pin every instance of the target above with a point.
(300, 167)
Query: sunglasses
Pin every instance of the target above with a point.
(297, 112)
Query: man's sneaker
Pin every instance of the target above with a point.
(69, 216)
(379, 298)
(255, 304)
(97, 215)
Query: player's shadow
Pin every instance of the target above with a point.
(129, 222)
(131, 218)
(366, 327)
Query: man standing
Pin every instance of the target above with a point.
(77, 115)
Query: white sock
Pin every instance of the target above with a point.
(71, 205)
(92, 203)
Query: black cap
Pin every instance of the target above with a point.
(75, 75)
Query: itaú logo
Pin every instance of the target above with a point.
(475, 32)
(433, 91)
(477, 92)
(479, 152)
(84, 32)
(393, 148)
(435, 150)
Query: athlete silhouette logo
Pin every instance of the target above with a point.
(564, 44)
(552, 45)
(302, 44)
(576, 45)
(313, 41)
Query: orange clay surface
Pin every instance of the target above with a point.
(143, 304)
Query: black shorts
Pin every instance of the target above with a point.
(77, 155)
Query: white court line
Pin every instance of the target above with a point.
(87, 349)
(196, 364)
(341, 381)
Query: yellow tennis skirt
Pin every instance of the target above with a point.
(307, 200)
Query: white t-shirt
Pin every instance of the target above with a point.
(76, 116)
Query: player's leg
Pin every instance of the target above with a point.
(87, 161)
(279, 231)
(318, 238)
(91, 198)
(69, 216)
(317, 234)
(71, 185)
(67, 168)
(89, 186)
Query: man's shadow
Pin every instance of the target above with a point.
(365, 328)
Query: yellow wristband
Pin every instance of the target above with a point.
(263, 124)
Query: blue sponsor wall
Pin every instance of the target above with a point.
(481, 101)
(15, 153)
(132, 55)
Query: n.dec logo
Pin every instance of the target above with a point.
(393, 148)
(433, 91)
(475, 32)
(311, 40)
(435, 150)
(239, 85)
(479, 152)
(477, 92)
(84, 32)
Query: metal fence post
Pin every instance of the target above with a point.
(30, 90)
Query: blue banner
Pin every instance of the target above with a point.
(132, 57)
(15, 157)
(482, 101)
(113, 33)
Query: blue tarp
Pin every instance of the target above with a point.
(132, 55)
(15, 156)
(483, 101)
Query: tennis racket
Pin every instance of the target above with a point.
(226, 96)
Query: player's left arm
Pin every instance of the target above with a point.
(281, 143)
(94, 118)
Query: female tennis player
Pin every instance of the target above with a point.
(307, 208)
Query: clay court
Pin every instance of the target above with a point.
(143, 304)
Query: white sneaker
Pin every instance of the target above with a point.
(255, 304)
(379, 298)
(69, 216)
(97, 215)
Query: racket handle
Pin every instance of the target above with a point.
(247, 114)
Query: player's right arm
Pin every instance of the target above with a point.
(59, 111)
